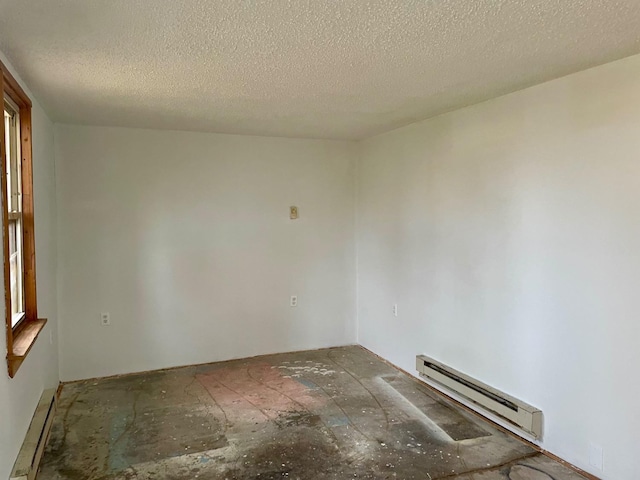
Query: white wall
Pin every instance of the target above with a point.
(19, 396)
(509, 235)
(185, 239)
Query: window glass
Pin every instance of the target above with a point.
(14, 206)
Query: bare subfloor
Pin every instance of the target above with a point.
(339, 413)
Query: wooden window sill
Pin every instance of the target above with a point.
(22, 343)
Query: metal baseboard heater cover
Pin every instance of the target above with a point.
(26, 466)
(516, 412)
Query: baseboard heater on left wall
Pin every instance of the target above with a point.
(516, 412)
(26, 466)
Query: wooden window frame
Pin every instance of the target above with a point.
(22, 336)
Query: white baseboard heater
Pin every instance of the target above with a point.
(516, 412)
(26, 466)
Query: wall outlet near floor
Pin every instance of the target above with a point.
(596, 456)
(294, 301)
(105, 319)
(395, 309)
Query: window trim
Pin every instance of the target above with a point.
(22, 336)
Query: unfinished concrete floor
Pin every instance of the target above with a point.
(338, 413)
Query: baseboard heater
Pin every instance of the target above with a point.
(516, 412)
(26, 466)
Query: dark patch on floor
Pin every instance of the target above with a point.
(327, 414)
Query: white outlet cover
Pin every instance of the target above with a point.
(105, 318)
(596, 457)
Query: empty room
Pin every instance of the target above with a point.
(318, 239)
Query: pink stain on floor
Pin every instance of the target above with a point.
(257, 392)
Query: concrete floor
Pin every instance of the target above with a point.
(338, 413)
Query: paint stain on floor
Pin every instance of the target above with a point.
(326, 414)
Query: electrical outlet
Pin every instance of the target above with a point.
(395, 309)
(105, 319)
(294, 301)
(596, 457)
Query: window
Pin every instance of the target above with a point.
(22, 323)
(14, 203)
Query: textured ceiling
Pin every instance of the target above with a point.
(299, 68)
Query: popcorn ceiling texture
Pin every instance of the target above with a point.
(315, 68)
